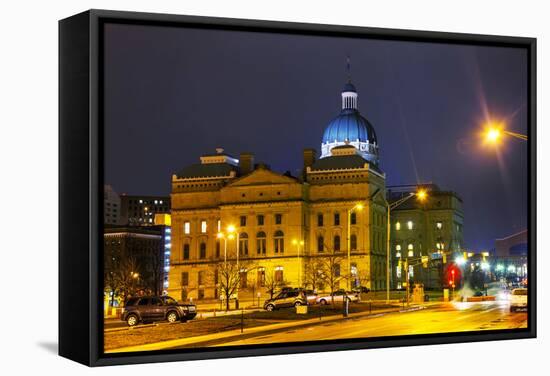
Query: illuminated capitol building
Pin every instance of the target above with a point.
(282, 228)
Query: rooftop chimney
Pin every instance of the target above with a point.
(309, 157)
(246, 162)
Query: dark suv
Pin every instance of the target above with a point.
(156, 308)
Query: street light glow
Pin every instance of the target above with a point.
(493, 132)
(421, 194)
(493, 135)
(460, 260)
(231, 229)
(220, 235)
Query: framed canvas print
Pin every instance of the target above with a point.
(238, 187)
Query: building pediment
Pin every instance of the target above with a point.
(262, 177)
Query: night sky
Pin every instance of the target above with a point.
(173, 94)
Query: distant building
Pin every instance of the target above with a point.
(511, 255)
(141, 210)
(111, 206)
(431, 228)
(141, 249)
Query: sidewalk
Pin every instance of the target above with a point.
(259, 330)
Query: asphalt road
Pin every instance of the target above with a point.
(451, 317)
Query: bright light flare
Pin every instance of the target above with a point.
(493, 133)
(422, 194)
(460, 260)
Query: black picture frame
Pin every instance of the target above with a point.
(81, 185)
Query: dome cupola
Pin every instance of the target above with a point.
(350, 128)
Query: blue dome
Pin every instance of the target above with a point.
(349, 87)
(349, 126)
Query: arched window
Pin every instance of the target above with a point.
(353, 242)
(320, 244)
(261, 243)
(336, 242)
(243, 244)
(279, 241)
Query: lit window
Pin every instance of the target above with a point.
(141, 201)
(398, 254)
(398, 247)
(186, 228)
(397, 226)
(410, 225)
(410, 247)
(203, 227)
(439, 225)
(156, 202)
(411, 271)
(279, 274)
(398, 272)
(160, 202)
(219, 225)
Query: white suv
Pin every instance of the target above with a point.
(518, 299)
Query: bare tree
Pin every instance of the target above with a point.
(313, 273)
(228, 275)
(331, 269)
(272, 283)
(128, 278)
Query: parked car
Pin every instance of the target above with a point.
(518, 299)
(338, 297)
(156, 308)
(311, 296)
(360, 290)
(287, 298)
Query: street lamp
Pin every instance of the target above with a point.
(421, 194)
(358, 207)
(460, 260)
(299, 244)
(494, 132)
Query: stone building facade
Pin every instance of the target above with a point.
(432, 228)
(285, 227)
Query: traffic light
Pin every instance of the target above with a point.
(425, 260)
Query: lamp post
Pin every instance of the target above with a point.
(494, 132)
(357, 207)
(299, 244)
(421, 195)
(232, 231)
